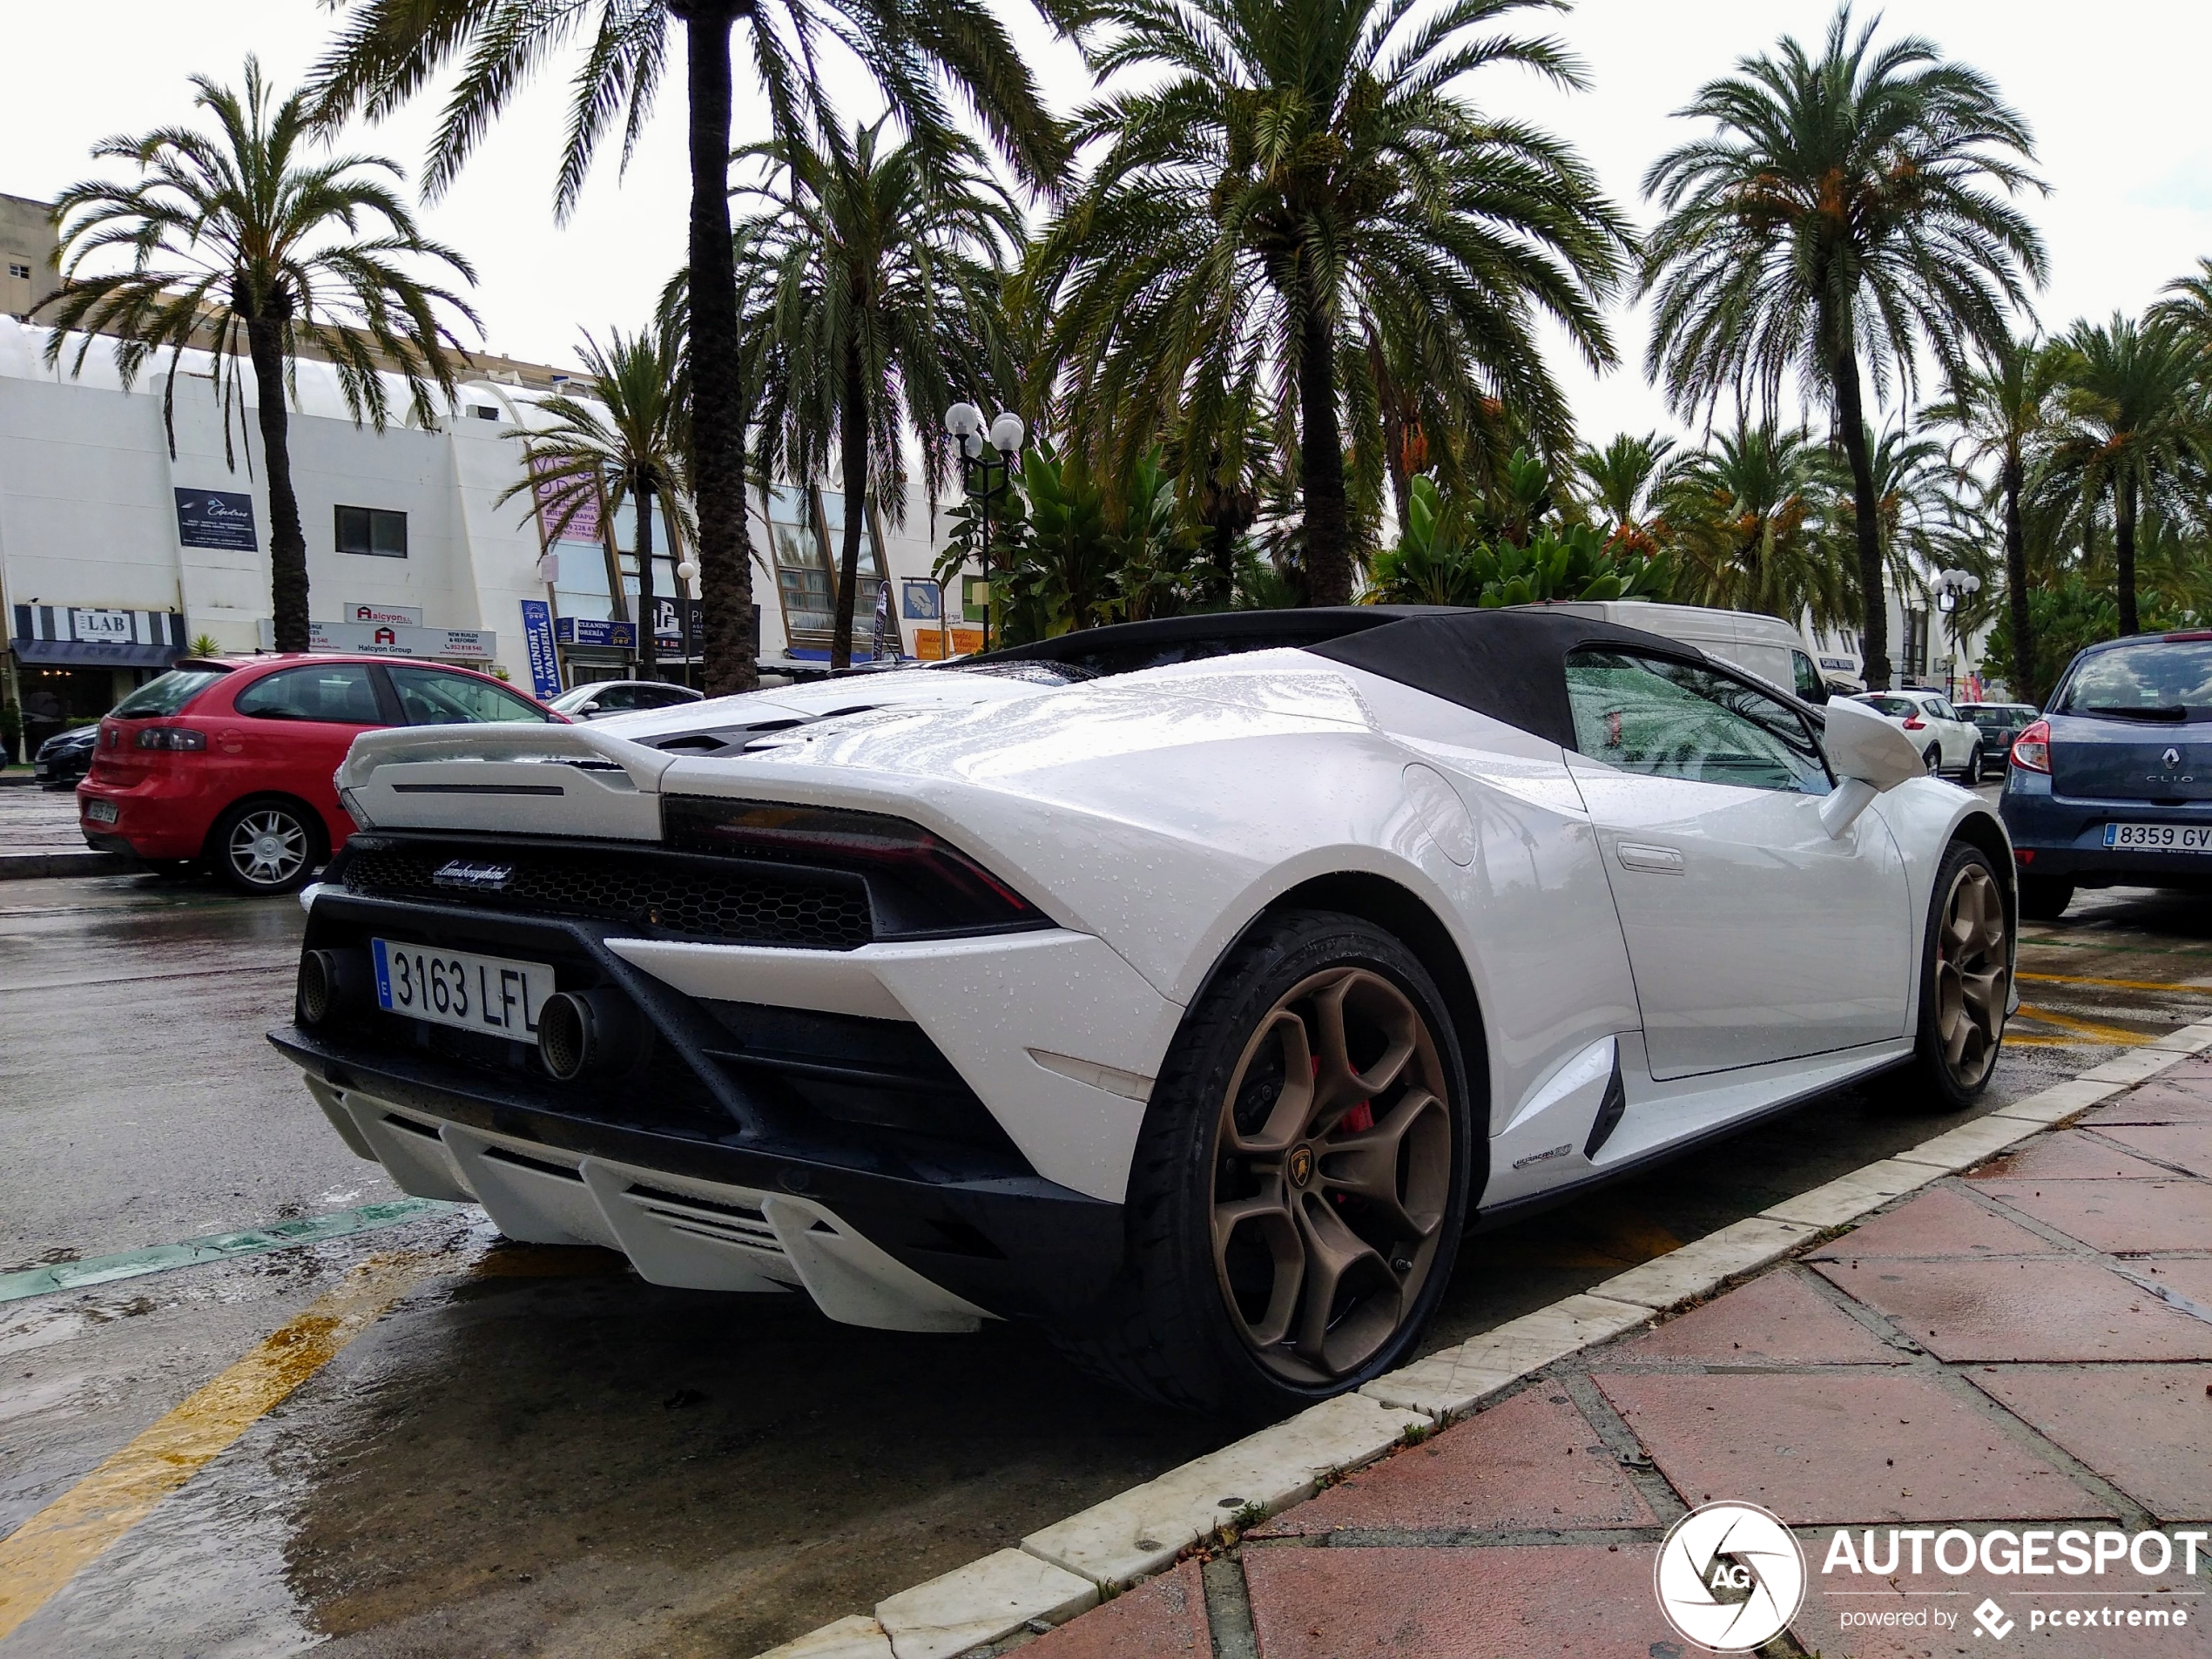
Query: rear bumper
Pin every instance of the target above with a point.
(2062, 837)
(870, 1249)
(755, 1146)
(156, 817)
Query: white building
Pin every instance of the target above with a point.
(115, 557)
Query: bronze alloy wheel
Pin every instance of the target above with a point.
(1972, 979)
(1332, 1171)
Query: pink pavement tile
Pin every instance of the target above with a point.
(2026, 1311)
(1943, 1221)
(1839, 1447)
(2158, 1102)
(2192, 1278)
(1777, 1319)
(2187, 1146)
(1539, 1601)
(1530, 1462)
(1161, 1618)
(2121, 1217)
(1820, 1625)
(2147, 1429)
(2067, 1156)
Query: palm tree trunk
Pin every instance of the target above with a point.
(718, 392)
(853, 461)
(1874, 634)
(2124, 537)
(648, 645)
(1328, 550)
(2025, 685)
(287, 543)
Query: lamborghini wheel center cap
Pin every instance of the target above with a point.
(1300, 1165)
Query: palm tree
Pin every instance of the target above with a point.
(629, 443)
(2133, 423)
(1621, 481)
(241, 239)
(1291, 172)
(915, 51)
(871, 294)
(1746, 527)
(2002, 408)
(1851, 205)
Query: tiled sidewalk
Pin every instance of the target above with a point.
(2032, 1343)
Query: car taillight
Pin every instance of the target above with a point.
(917, 883)
(1914, 723)
(171, 736)
(2032, 749)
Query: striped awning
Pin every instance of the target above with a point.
(96, 635)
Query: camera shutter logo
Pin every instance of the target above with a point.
(1730, 1577)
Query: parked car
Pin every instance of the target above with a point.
(1945, 742)
(595, 698)
(1999, 723)
(65, 756)
(1767, 645)
(1188, 985)
(2113, 784)
(230, 760)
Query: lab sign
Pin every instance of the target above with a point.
(108, 627)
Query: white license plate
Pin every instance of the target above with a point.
(2161, 838)
(100, 812)
(494, 994)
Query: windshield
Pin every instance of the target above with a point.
(1997, 717)
(165, 695)
(2160, 679)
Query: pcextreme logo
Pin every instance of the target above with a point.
(1730, 1576)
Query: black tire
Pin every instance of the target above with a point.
(1966, 980)
(267, 846)
(1173, 1326)
(1932, 759)
(2044, 898)
(1973, 774)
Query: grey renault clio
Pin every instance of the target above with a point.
(2113, 786)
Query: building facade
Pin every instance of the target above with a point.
(116, 555)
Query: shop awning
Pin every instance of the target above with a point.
(89, 653)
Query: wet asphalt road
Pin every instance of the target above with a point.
(535, 1453)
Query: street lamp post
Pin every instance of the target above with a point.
(1951, 588)
(687, 575)
(984, 478)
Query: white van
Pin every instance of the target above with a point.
(1767, 646)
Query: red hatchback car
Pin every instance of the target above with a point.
(231, 761)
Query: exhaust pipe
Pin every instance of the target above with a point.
(330, 983)
(590, 1033)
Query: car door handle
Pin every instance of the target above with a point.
(1653, 860)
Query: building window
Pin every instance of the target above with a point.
(1916, 645)
(483, 411)
(373, 531)
(21, 272)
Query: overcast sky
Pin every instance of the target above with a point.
(2114, 94)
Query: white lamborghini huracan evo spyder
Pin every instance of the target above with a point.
(1190, 987)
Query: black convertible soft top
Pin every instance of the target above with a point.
(1507, 663)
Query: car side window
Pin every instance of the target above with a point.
(338, 692)
(1941, 710)
(1670, 719)
(433, 697)
(1809, 683)
(615, 699)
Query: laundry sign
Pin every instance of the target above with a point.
(216, 518)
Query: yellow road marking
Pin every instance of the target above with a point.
(2013, 1041)
(2088, 1028)
(2119, 984)
(47, 1550)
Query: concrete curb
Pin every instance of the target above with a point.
(25, 867)
(1065, 1568)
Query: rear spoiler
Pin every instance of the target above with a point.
(516, 778)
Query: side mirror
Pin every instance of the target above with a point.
(1870, 756)
(589, 708)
